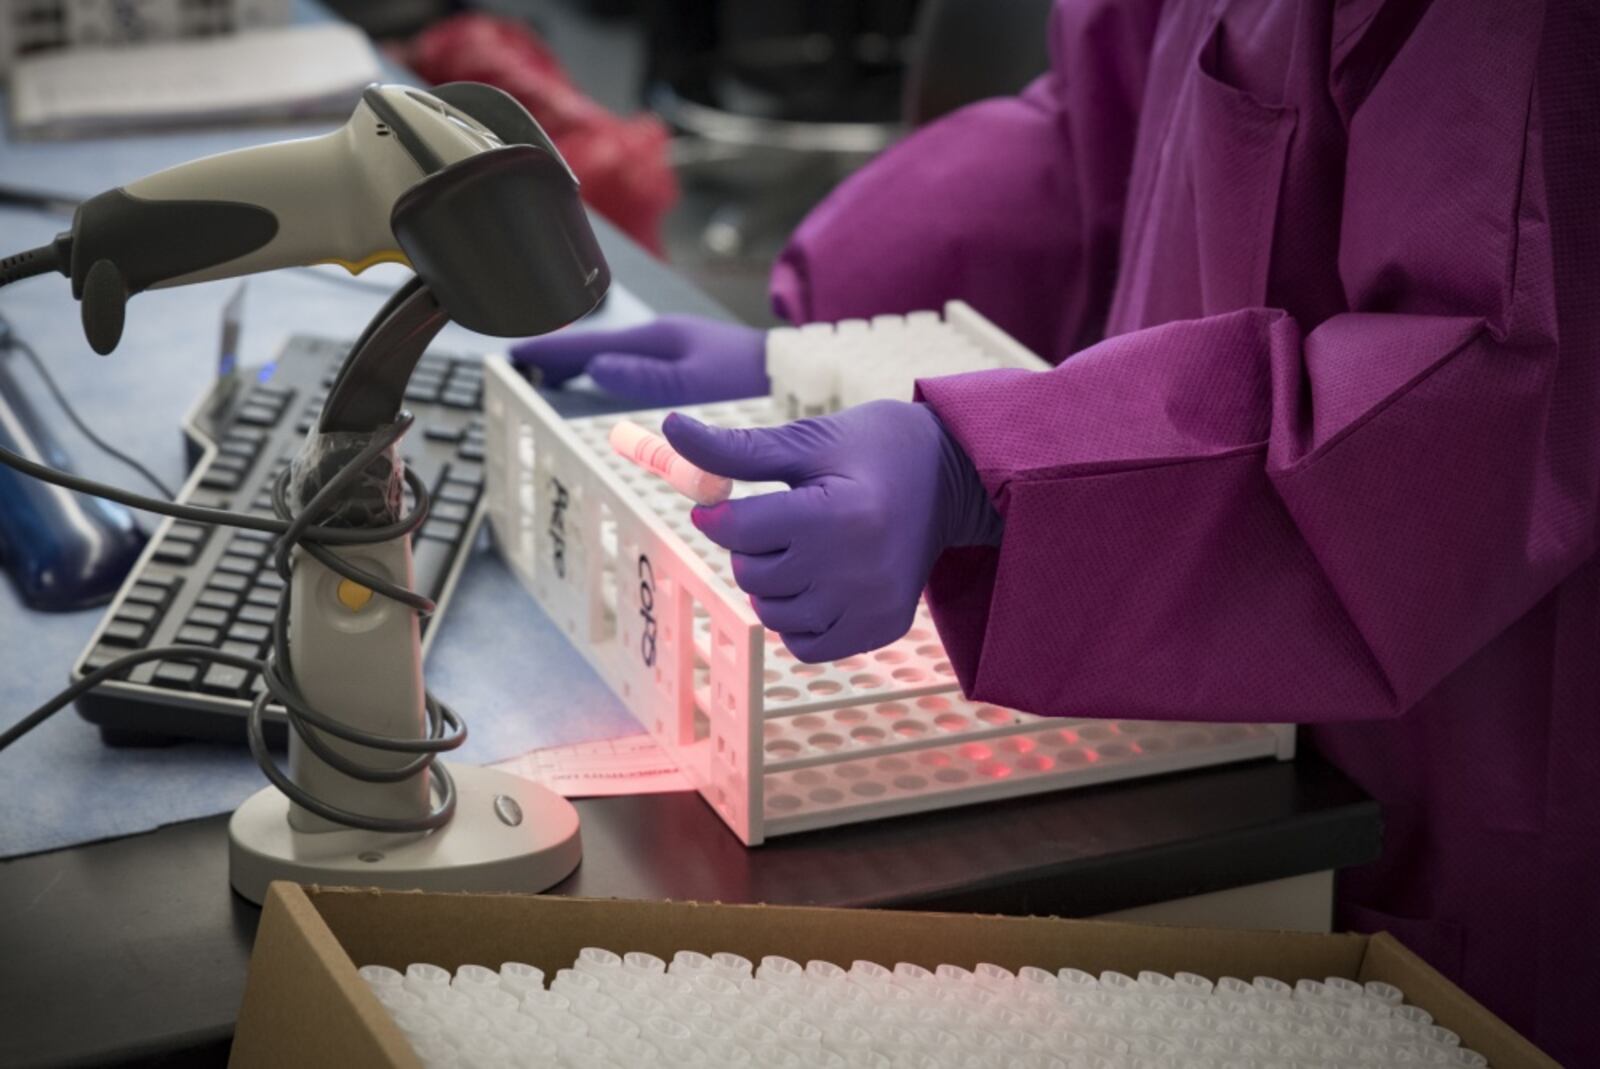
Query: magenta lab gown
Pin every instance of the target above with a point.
(1334, 461)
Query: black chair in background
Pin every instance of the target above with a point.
(775, 102)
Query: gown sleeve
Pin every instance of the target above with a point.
(1007, 204)
(1229, 518)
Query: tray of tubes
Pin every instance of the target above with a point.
(604, 543)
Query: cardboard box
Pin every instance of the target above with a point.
(305, 1006)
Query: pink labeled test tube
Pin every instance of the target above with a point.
(655, 454)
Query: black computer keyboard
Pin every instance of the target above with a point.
(216, 587)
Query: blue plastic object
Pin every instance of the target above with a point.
(63, 550)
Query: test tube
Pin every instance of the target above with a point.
(1384, 992)
(492, 1000)
(518, 978)
(777, 969)
(655, 454)
(397, 998)
(733, 967)
(540, 1002)
(421, 977)
(569, 980)
(596, 960)
(640, 962)
(446, 997)
(381, 976)
(435, 1051)
(469, 978)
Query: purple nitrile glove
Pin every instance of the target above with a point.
(836, 564)
(673, 360)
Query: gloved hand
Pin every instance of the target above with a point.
(673, 360)
(836, 564)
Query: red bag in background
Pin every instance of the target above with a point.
(621, 163)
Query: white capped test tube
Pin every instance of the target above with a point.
(540, 1002)
(397, 998)
(381, 976)
(639, 961)
(518, 978)
(655, 454)
(778, 969)
(422, 977)
(734, 967)
(569, 980)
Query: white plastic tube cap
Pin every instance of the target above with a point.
(655, 454)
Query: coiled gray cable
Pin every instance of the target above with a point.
(446, 731)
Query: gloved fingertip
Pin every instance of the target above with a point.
(707, 519)
(677, 422)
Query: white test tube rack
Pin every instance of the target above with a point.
(773, 745)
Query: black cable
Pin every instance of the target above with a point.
(10, 339)
(56, 256)
(445, 729)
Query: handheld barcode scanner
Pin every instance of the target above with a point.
(461, 184)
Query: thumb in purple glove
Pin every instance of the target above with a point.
(836, 564)
(673, 360)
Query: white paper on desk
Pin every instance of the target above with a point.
(632, 764)
(285, 73)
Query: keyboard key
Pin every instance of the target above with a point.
(195, 635)
(188, 532)
(258, 614)
(137, 612)
(228, 581)
(217, 478)
(459, 492)
(449, 510)
(463, 471)
(226, 679)
(162, 579)
(170, 552)
(236, 464)
(177, 675)
(247, 547)
(443, 434)
(241, 632)
(430, 561)
(258, 415)
(125, 633)
(423, 391)
(101, 656)
(459, 398)
(253, 435)
(442, 530)
(270, 579)
(472, 449)
(224, 600)
(238, 565)
(204, 616)
(233, 447)
(262, 596)
(242, 649)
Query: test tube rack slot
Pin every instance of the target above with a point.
(773, 745)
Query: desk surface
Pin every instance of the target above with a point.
(136, 949)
